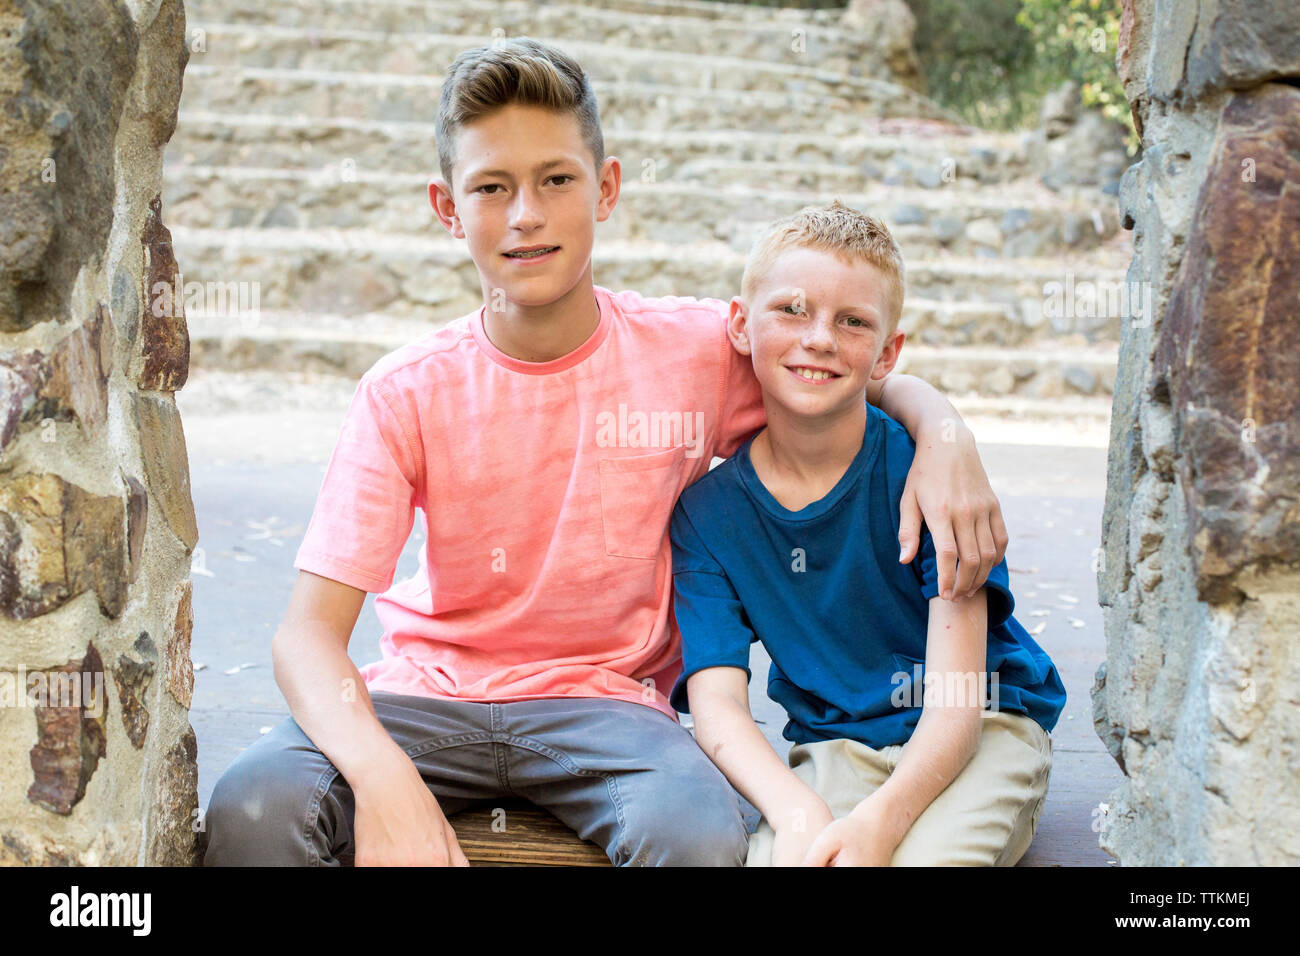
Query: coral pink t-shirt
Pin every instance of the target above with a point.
(545, 490)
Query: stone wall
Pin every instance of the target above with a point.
(1199, 698)
(97, 758)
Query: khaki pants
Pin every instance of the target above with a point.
(985, 817)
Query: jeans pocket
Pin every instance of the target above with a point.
(637, 494)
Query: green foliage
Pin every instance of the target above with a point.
(991, 61)
(1080, 38)
(978, 60)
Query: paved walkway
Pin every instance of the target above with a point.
(255, 477)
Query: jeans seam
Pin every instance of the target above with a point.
(431, 744)
(496, 722)
(571, 767)
(312, 820)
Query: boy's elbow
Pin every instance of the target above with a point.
(720, 708)
(963, 726)
(971, 731)
(712, 712)
(714, 689)
(280, 658)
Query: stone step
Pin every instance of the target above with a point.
(317, 343)
(696, 65)
(399, 14)
(1029, 373)
(893, 152)
(936, 322)
(769, 35)
(925, 222)
(394, 96)
(1087, 412)
(356, 272)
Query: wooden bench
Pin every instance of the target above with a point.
(517, 833)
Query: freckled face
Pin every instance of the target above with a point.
(817, 329)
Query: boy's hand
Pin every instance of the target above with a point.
(947, 487)
(852, 841)
(794, 839)
(399, 823)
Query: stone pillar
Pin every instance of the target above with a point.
(97, 757)
(1199, 697)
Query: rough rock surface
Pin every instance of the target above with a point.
(1199, 698)
(1076, 147)
(91, 445)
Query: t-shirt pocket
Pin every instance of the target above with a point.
(637, 494)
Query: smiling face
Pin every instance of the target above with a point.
(524, 180)
(818, 330)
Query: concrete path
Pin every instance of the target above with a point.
(255, 476)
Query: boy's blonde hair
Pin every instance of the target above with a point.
(837, 229)
(516, 70)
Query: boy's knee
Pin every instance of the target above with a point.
(239, 816)
(699, 827)
(707, 839)
(257, 814)
(723, 842)
(967, 840)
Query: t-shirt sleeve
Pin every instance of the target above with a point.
(741, 411)
(715, 629)
(367, 501)
(997, 587)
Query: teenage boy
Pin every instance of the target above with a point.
(545, 437)
(791, 542)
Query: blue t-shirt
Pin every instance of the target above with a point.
(822, 588)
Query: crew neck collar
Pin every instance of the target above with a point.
(560, 364)
(816, 509)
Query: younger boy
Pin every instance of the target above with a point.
(792, 541)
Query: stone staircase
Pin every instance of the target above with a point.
(305, 143)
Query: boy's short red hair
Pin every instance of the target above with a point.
(838, 229)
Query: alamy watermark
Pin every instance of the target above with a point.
(637, 429)
(84, 690)
(234, 300)
(128, 910)
(922, 688)
(1094, 299)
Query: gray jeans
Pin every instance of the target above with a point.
(618, 773)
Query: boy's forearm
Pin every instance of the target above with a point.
(329, 701)
(943, 743)
(736, 745)
(918, 406)
(948, 733)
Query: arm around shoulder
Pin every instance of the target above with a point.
(947, 487)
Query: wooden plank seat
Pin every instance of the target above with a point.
(513, 832)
